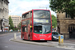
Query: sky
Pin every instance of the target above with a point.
(18, 7)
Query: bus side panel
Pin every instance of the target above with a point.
(23, 34)
(30, 33)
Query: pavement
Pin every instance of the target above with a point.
(68, 44)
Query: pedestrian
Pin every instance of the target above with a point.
(54, 30)
(18, 30)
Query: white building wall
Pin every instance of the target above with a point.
(4, 13)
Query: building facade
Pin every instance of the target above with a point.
(16, 20)
(65, 25)
(4, 11)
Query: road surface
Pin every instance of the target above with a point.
(6, 44)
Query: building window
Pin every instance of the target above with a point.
(71, 27)
(67, 15)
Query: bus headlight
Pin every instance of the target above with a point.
(35, 36)
(49, 36)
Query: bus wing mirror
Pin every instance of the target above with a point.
(30, 26)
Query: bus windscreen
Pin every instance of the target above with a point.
(41, 14)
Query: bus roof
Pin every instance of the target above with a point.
(26, 12)
(34, 9)
(40, 9)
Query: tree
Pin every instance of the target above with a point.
(67, 6)
(11, 23)
(19, 25)
(54, 21)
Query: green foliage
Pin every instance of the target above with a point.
(54, 21)
(15, 29)
(63, 6)
(19, 25)
(11, 23)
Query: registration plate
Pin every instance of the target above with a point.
(42, 39)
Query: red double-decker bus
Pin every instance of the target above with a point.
(36, 25)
